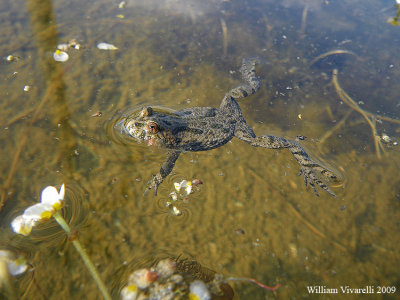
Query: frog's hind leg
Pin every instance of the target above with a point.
(311, 171)
(252, 84)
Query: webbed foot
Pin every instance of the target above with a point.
(165, 169)
(153, 183)
(314, 174)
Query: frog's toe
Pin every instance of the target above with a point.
(153, 183)
(311, 179)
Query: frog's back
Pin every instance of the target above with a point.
(205, 128)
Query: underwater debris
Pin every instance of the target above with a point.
(62, 47)
(74, 44)
(98, 114)
(142, 278)
(106, 46)
(386, 138)
(27, 88)
(60, 56)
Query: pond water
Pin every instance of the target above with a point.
(252, 216)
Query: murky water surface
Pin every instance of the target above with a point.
(252, 216)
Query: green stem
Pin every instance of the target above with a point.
(85, 257)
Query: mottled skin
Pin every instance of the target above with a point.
(206, 128)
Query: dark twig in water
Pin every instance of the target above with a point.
(370, 118)
(313, 228)
(302, 32)
(19, 117)
(224, 36)
(266, 287)
(336, 127)
(329, 53)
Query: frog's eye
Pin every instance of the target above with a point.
(152, 127)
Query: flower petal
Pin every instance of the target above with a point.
(199, 290)
(22, 226)
(188, 188)
(49, 195)
(38, 212)
(106, 46)
(15, 265)
(61, 193)
(177, 186)
(129, 292)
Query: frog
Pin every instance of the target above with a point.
(205, 128)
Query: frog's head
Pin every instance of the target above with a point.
(142, 125)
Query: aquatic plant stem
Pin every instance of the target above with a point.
(85, 257)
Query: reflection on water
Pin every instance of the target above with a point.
(252, 217)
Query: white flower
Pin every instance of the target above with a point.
(51, 202)
(15, 265)
(174, 196)
(129, 292)
(184, 184)
(60, 56)
(199, 291)
(22, 226)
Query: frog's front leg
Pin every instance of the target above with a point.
(310, 170)
(165, 169)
